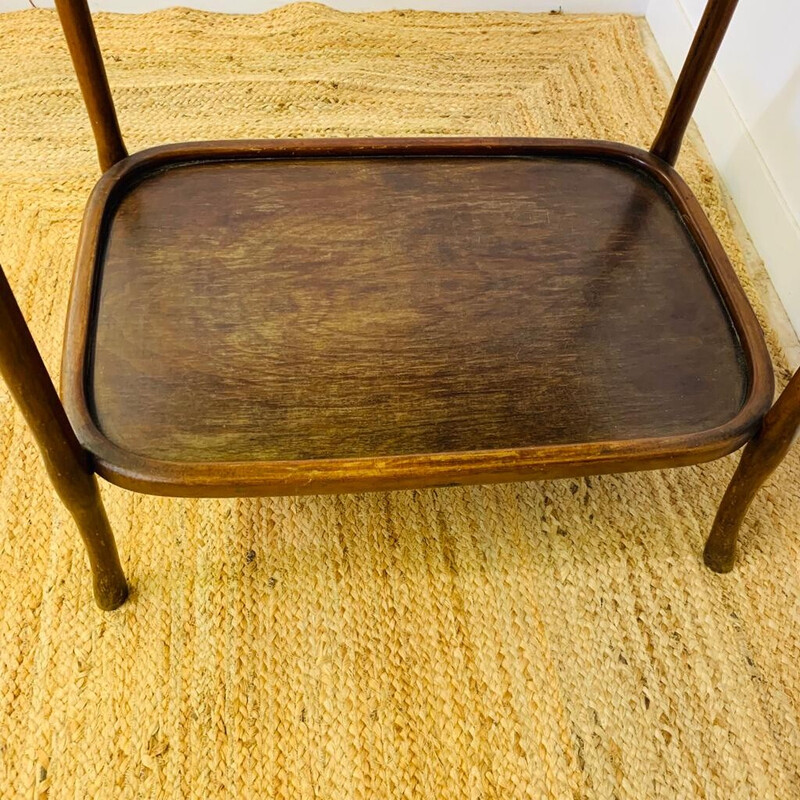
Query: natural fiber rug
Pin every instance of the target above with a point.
(554, 640)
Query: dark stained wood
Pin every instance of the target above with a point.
(706, 44)
(82, 41)
(68, 465)
(85, 52)
(338, 315)
(345, 308)
(326, 321)
(759, 460)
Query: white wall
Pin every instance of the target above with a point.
(749, 115)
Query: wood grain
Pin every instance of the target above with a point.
(344, 308)
(488, 316)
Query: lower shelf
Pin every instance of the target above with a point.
(328, 308)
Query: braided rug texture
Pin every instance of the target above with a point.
(542, 640)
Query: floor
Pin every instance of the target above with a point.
(558, 639)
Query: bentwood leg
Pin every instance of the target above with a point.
(67, 463)
(759, 460)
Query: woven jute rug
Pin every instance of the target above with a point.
(558, 640)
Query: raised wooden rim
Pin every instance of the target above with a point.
(252, 478)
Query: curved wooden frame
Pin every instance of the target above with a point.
(141, 474)
(71, 461)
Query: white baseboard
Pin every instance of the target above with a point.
(769, 220)
(254, 6)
